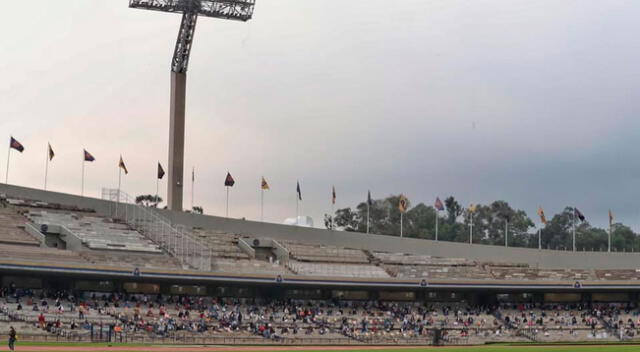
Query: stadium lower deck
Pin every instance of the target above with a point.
(75, 273)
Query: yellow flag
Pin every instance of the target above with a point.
(543, 219)
(403, 203)
(472, 208)
(610, 217)
(264, 185)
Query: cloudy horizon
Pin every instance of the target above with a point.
(529, 102)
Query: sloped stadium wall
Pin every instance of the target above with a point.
(534, 257)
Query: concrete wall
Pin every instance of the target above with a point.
(533, 257)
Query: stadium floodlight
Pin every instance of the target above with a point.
(240, 10)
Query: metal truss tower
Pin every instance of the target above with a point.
(240, 10)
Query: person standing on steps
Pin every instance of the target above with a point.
(12, 338)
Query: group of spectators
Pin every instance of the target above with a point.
(163, 315)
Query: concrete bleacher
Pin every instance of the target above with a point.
(247, 266)
(95, 232)
(40, 255)
(515, 273)
(227, 257)
(437, 272)
(403, 265)
(337, 270)
(409, 259)
(12, 227)
(328, 254)
(140, 260)
(222, 244)
(620, 274)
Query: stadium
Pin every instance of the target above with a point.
(120, 272)
(83, 269)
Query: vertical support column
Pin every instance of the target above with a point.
(176, 141)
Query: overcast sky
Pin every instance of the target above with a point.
(533, 102)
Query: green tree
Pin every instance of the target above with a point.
(148, 200)
(453, 208)
(346, 220)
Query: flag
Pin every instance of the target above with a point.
(472, 208)
(333, 195)
(610, 218)
(298, 190)
(88, 156)
(543, 219)
(123, 166)
(403, 204)
(13, 143)
(578, 214)
(229, 181)
(160, 171)
(369, 201)
(264, 185)
(439, 206)
(51, 153)
(193, 174)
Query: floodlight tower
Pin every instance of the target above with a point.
(240, 10)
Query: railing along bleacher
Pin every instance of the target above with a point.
(175, 240)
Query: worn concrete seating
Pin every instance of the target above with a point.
(40, 255)
(247, 266)
(412, 259)
(337, 270)
(618, 274)
(511, 273)
(321, 253)
(222, 244)
(95, 232)
(402, 265)
(139, 260)
(12, 227)
(437, 272)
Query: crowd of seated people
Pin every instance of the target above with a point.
(575, 320)
(167, 315)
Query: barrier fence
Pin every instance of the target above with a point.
(178, 241)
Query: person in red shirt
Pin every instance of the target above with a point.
(41, 321)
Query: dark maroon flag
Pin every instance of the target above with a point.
(88, 156)
(229, 181)
(16, 145)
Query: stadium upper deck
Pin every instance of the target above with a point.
(76, 237)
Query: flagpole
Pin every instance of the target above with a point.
(157, 190)
(193, 186)
(471, 228)
(119, 182)
(368, 206)
(82, 187)
(506, 233)
(333, 211)
(574, 229)
(297, 206)
(540, 238)
(6, 180)
(609, 239)
(401, 224)
(46, 168)
(261, 204)
(437, 224)
(227, 201)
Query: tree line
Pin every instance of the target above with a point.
(489, 222)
